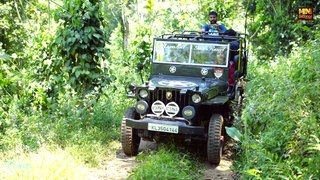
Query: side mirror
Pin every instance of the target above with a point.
(132, 87)
(140, 66)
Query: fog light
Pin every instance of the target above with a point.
(188, 112)
(172, 109)
(142, 107)
(158, 108)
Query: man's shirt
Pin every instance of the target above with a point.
(212, 30)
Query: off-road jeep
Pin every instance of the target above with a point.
(188, 94)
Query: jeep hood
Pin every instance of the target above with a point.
(188, 83)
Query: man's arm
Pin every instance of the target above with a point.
(205, 28)
(221, 28)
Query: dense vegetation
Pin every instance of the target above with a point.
(65, 66)
(281, 118)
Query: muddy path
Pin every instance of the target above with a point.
(120, 166)
(223, 171)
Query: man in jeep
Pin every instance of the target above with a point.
(213, 28)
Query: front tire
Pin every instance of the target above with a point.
(130, 140)
(215, 139)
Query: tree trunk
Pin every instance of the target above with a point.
(124, 29)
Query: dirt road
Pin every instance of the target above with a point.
(120, 166)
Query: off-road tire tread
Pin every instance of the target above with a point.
(129, 137)
(214, 145)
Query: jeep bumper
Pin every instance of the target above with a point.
(183, 127)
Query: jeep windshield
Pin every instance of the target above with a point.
(191, 53)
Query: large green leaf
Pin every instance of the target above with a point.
(234, 133)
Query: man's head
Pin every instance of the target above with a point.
(213, 17)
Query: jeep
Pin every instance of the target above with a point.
(189, 94)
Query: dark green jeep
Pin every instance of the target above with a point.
(194, 78)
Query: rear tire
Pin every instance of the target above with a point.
(130, 140)
(215, 141)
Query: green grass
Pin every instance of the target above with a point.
(52, 162)
(44, 164)
(167, 163)
(65, 142)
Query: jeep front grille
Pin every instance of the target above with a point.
(161, 94)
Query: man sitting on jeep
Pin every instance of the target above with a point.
(213, 28)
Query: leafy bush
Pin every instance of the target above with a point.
(281, 118)
(38, 103)
(12, 31)
(79, 47)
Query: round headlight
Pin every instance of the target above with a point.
(143, 93)
(196, 98)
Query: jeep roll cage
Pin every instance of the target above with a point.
(191, 35)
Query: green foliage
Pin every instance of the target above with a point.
(164, 17)
(85, 129)
(111, 13)
(141, 47)
(13, 67)
(274, 28)
(123, 68)
(80, 43)
(12, 33)
(38, 104)
(167, 163)
(281, 118)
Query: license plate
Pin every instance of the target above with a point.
(163, 128)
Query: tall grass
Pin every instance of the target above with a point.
(63, 142)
